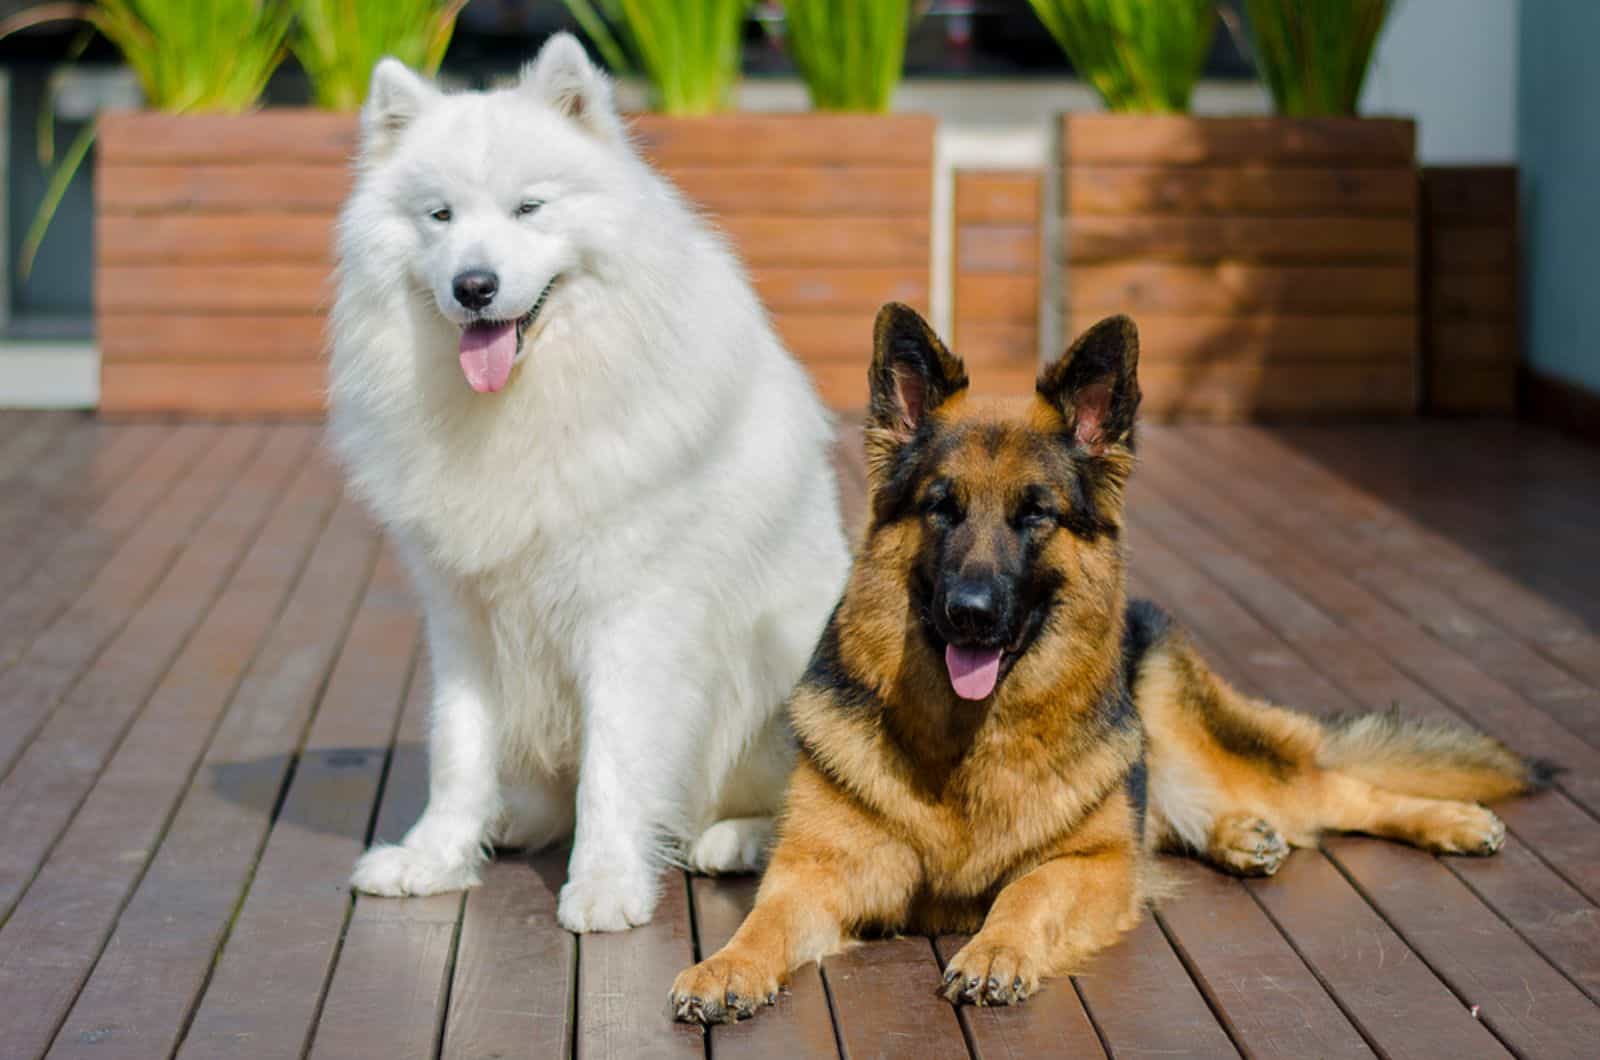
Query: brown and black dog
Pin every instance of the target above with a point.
(993, 739)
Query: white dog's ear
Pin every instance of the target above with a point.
(561, 76)
(394, 100)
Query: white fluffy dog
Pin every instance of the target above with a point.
(555, 387)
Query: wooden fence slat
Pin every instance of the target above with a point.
(1456, 249)
(232, 188)
(148, 337)
(997, 196)
(1267, 335)
(1475, 194)
(739, 140)
(850, 241)
(285, 135)
(1238, 189)
(294, 388)
(844, 288)
(222, 288)
(1229, 390)
(994, 296)
(1012, 248)
(1184, 140)
(215, 238)
(1226, 288)
(268, 981)
(824, 192)
(1309, 240)
(152, 970)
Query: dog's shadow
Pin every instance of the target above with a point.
(351, 793)
(332, 791)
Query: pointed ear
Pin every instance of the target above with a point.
(561, 76)
(394, 99)
(912, 373)
(1095, 385)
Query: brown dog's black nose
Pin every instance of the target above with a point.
(475, 288)
(972, 608)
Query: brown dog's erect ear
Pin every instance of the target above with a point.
(912, 372)
(1095, 384)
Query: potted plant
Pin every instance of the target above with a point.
(214, 219)
(830, 209)
(1271, 261)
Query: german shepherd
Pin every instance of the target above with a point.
(994, 740)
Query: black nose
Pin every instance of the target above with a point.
(475, 288)
(972, 607)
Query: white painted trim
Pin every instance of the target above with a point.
(49, 375)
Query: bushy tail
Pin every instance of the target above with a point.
(1432, 759)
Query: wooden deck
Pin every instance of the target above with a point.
(212, 696)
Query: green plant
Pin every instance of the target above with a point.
(850, 52)
(687, 49)
(189, 55)
(1313, 54)
(198, 55)
(340, 41)
(1140, 55)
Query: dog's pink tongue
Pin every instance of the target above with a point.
(973, 671)
(487, 352)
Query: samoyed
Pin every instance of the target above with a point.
(612, 486)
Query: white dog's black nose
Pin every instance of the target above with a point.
(475, 288)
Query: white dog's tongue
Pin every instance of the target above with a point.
(487, 353)
(973, 671)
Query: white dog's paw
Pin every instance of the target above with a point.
(738, 844)
(397, 872)
(605, 903)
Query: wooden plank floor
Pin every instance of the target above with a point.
(213, 695)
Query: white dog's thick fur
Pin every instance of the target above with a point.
(624, 555)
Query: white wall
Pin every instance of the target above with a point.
(1452, 64)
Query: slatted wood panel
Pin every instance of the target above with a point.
(233, 699)
(996, 276)
(1256, 253)
(1469, 277)
(214, 241)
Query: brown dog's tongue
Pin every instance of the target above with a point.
(487, 353)
(973, 671)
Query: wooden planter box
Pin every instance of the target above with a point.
(214, 237)
(995, 277)
(1469, 285)
(1271, 263)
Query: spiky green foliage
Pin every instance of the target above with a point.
(1140, 55)
(1314, 54)
(198, 55)
(687, 49)
(340, 41)
(850, 52)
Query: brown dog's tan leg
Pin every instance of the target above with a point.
(833, 869)
(1443, 826)
(1047, 922)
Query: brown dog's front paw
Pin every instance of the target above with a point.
(988, 973)
(722, 989)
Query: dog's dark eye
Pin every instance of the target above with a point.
(1033, 514)
(943, 508)
(441, 215)
(530, 206)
